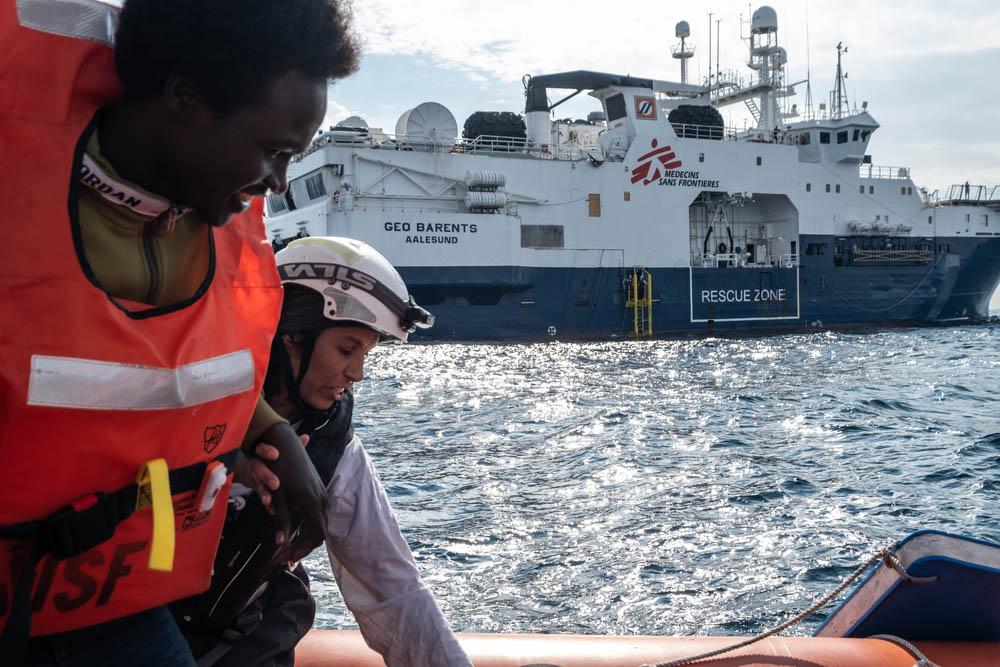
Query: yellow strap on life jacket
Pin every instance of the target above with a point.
(154, 489)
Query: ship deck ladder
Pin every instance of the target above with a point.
(640, 300)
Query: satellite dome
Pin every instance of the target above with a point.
(682, 30)
(429, 121)
(353, 121)
(764, 19)
(401, 124)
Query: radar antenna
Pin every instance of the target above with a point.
(809, 91)
(839, 102)
(684, 51)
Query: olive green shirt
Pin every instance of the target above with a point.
(135, 260)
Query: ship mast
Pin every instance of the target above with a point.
(838, 102)
(768, 59)
(683, 51)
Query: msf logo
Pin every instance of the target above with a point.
(213, 437)
(647, 163)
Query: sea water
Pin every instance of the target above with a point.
(711, 486)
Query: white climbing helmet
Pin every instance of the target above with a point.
(356, 282)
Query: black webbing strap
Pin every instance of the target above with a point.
(73, 530)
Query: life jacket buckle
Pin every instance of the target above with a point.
(80, 526)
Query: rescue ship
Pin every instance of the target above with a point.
(651, 217)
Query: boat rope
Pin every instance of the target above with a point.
(886, 555)
(922, 660)
(898, 303)
(891, 560)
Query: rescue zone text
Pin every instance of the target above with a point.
(743, 295)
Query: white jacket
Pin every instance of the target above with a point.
(377, 574)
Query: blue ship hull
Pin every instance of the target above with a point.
(491, 303)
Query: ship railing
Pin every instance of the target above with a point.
(729, 133)
(721, 259)
(482, 145)
(695, 131)
(884, 173)
(859, 256)
(975, 195)
(743, 260)
(759, 136)
(789, 260)
(492, 145)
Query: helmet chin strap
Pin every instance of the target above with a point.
(293, 381)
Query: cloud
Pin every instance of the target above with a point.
(519, 36)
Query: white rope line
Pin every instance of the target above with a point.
(885, 555)
(922, 660)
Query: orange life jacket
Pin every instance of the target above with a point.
(92, 389)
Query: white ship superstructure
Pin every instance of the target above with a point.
(650, 216)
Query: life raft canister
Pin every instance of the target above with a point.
(100, 398)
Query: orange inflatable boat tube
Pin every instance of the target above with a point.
(342, 648)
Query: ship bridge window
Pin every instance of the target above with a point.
(857, 135)
(824, 137)
(827, 187)
(842, 137)
(871, 189)
(616, 106)
(314, 185)
(805, 138)
(276, 204)
(864, 135)
(838, 188)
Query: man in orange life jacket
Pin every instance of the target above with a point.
(135, 323)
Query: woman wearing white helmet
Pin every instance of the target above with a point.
(341, 299)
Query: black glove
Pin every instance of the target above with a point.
(300, 501)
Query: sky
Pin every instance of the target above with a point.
(928, 70)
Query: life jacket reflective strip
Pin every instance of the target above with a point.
(61, 446)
